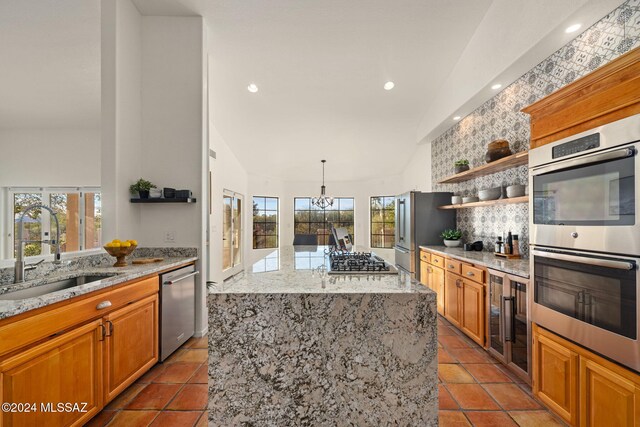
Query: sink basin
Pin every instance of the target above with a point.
(58, 285)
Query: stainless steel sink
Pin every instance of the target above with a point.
(58, 285)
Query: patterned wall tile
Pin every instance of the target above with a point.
(500, 118)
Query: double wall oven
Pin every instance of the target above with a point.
(585, 239)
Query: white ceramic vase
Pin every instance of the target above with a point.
(452, 243)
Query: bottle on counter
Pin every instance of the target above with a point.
(516, 245)
(509, 244)
(499, 243)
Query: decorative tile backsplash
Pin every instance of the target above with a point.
(500, 118)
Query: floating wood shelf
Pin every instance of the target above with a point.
(163, 200)
(521, 199)
(518, 159)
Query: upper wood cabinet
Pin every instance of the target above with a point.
(610, 93)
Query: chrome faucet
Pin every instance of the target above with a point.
(21, 266)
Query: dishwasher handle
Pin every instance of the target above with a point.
(174, 281)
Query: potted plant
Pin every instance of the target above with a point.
(142, 187)
(461, 165)
(451, 238)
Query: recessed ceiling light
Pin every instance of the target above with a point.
(252, 88)
(389, 85)
(457, 118)
(573, 28)
(496, 86)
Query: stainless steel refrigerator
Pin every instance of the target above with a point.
(420, 222)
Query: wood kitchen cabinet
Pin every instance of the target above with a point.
(131, 344)
(84, 350)
(66, 368)
(436, 279)
(424, 274)
(452, 298)
(555, 376)
(472, 310)
(567, 377)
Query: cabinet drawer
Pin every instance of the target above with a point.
(437, 260)
(453, 266)
(425, 256)
(472, 273)
(28, 330)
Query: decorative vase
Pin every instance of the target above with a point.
(144, 194)
(461, 168)
(452, 243)
(497, 150)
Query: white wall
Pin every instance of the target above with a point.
(417, 174)
(50, 157)
(153, 126)
(121, 77)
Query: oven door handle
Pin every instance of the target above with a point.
(608, 263)
(587, 160)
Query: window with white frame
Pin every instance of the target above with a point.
(79, 212)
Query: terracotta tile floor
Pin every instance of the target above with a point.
(476, 390)
(173, 393)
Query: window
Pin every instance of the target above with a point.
(383, 222)
(309, 219)
(265, 222)
(79, 212)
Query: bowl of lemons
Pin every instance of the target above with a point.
(120, 249)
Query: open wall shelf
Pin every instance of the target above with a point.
(521, 199)
(163, 200)
(512, 161)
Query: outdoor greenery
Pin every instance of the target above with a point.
(309, 219)
(265, 222)
(451, 234)
(383, 222)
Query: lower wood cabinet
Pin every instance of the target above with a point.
(65, 369)
(436, 280)
(131, 344)
(452, 298)
(87, 363)
(472, 310)
(567, 377)
(424, 273)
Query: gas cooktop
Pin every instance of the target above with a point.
(359, 263)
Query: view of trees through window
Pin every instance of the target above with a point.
(265, 222)
(383, 222)
(309, 219)
(79, 215)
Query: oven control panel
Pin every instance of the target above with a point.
(577, 145)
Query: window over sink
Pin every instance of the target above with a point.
(79, 211)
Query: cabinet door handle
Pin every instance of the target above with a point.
(470, 274)
(458, 283)
(110, 328)
(451, 266)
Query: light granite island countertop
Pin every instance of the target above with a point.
(290, 344)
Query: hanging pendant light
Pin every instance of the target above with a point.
(323, 201)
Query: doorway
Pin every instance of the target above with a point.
(232, 233)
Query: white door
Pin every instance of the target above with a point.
(231, 233)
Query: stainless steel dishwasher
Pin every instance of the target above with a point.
(177, 309)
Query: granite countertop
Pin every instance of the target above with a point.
(519, 267)
(117, 275)
(304, 270)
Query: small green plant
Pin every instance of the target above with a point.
(141, 185)
(462, 162)
(451, 234)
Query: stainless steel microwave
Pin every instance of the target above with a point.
(584, 190)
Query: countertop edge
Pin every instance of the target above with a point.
(442, 251)
(10, 308)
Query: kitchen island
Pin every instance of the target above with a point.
(291, 344)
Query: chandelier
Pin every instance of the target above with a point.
(323, 201)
